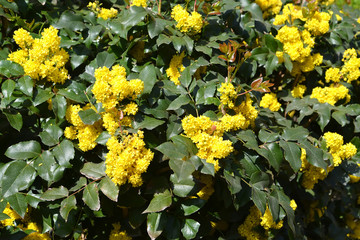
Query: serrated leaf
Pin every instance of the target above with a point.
(105, 59)
(148, 123)
(185, 77)
(109, 188)
(91, 196)
(64, 152)
(292, 154)
(51, 134)
(18, 202)
(15, 120)
(24, 150)
(295, 134)
(45, 165)
(155, 224)
(103, 138)
(8, 87)
(190, 228)
(159, 202)
(178, 102)
(133, 16)
(26, 85)
(234, 182)
(89, 116)
(169, 150)
(55, 193)
(9, 68)
(41, 96)
(190, 206)
(156, 26)
(314, 155)
(148, 76)
(79, 184)
(59, 106)
(67, 205)
(93, 170)
(259, 180)
(274, 155)
(259, 199)
(266, 136)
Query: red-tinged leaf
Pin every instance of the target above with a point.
(235, 44)
(267, 84)
(223, 47)
(256, 83)
(223, 57)
(214, 13)
(232, 56)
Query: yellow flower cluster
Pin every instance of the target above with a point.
(349, 71)
(139, 3)
(267, 221)
(317, 23)
(127, 159)
(24, 224)
(103, 13)
(248, 228)
(298, 44)
(86, 134)
(187, 23)
(228, 94)
(270, 101)
(110, 89)
(298, 91)
(175, 68)
(339, 152)
(116, 234)
(207, 135)
(208, 189)
(354, 225)
(269, 7)
(245, 113)
(41, 58)
(331, 94)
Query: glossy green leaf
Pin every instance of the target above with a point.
(155, 224)
(133, 16)
(91, 196)
(103, 138)
(178, 102)
(9, 68)
(55, 193)
(67, 205)
(259, 199)
(24, 150)
(156, 26)
(59, 106)
(159, 202)
(26, 85)
(8, 87)
(270, 42)
(41, 96)
(148, 123)
(169, 150)
(274, 155)
(292, 154)
(109, 188)
(64, 152)
(259, 180)
(233, 181)
(295, 134)
(89, 116)
(193, 205)
(93, 170)
(267, 136)
(148, 76)
(190, 228)
(18, 202)
(105, 59)
(15, 120)
(314, 155)
(70, 20)
(45, 166)
(51, 134)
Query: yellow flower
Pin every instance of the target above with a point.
(331, 94)
(298, 91)
(116, 234)
(139, 3)
(267, 221)
(175, 68)
(107, 13)
(228, 94)
(270, 101)
(185, 22)
(269, 7)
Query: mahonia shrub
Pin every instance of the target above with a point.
(144, 119)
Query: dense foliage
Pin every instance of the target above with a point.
(179, 120)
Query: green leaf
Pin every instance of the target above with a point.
(189, 43)
(207, 168)
(155, 224)
(156, 26)
(178, 42)
(341, 118)
(24, 150)
(259, 199)
(259, 180)
(267, 136)
(178, 102)
(190, 228)
(55, 193)
(79, 184)
(71, 21)
(93, 170)
(260, 54)
(89, 116)
(233, 181)
(274, 155)
(185, 77)
(91, 196)
(64, 152)
(18, 202)
(59, 106)
(292, 154)
(274, 208)
(103, 138)
(41, 96)
(163, 39)
(169, 150)
(190, 206)
(45, 165)
(148, 76)
(9, 68)
(3, 216)
(271, 43)
(105, 59)
(133, 16)
(109, 188)
(33, 199)
(182, 177)
(8, 87)
(288, 62)
(271, 64)
(15, 120)
(67, 205)
(184, 143)
(26, 85)
(255, 11)
(314, 155)
(295, 134)
(159, 202)
(324, 112)
(93, 33)
(75, 91)
(148, 123)
(51, 134)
